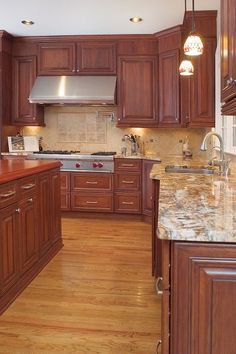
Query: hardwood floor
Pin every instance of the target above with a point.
(96, 296)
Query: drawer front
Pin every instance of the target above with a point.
(91, 201)
(8, 194)
(28, 186)
(125, 181)
(65, 181)
(91, 181)
(128, 203)
(128, 165)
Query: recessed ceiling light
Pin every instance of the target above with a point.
(135, 19)
(27, 22)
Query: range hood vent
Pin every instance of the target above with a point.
(90, 90)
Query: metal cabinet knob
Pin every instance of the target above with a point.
(158, 286)
(158, 346)
(30, 200)
(18, 210)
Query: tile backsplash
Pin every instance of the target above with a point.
(90, 129)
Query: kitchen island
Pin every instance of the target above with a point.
(194, 259)
(30, 222)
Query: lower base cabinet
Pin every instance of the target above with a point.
(198, 288)
(30, 230)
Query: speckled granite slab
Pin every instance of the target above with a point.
(195, 207)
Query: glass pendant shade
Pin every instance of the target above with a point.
(193, 45)
(186, 68)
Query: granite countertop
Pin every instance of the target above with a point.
(195, 207)
(153, 157)
(14, 169)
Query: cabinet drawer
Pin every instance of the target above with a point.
(8, 194)
(65, 181)
(27, 186)
(131, 181)
(91, 181)
(127, 203)
(128, 165)
(91, 201)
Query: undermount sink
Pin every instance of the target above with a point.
(190, 169)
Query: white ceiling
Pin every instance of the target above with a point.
(61, 17)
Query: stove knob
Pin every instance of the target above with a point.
(95, 164)
(77, 165)
(100, 164)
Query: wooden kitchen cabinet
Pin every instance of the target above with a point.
(75, 58)
(198, 90)
(128, 174)
(147, 187)
(65, 190)
(24, 75)
(170, 44)
(30, 230)
(92, 192)
(228, 56)
(137, 94)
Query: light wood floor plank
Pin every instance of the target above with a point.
(96, 296)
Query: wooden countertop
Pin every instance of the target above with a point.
(14, 169)
(195, 207)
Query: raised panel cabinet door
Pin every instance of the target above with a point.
(169, 89)
(228, 48)
(203, 309)
(202, 86)
(56, 59)
(24, 75)
(65, 181)
(65, 201)
(29, 232)
(96, 58)
(9, 248)
(137, 92)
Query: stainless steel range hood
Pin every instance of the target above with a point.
(94, 90)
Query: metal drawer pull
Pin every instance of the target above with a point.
(28, 186)
(128, 182)
(158, 286)
(89, 182)
(128, 203)
(127, 164)
(158, 346)
(30, 200)
(7, 194)
(87, 202)
(18, 210)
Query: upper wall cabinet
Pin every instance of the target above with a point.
(228, 56)
(198, 91)
(168, 79)
(24, 74)
(97, 58)
(137, 96)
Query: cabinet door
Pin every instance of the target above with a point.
(137, 92)
(24, 75)
(169, 83)
(228, 49)
(203, 298)
(29, 228)
(65, 190)
(96, 58)
(56, 59)
(147, 187)
(9, 248)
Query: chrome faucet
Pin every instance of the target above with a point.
(223, 163)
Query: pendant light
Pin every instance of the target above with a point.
(193, 45)
(186, 68)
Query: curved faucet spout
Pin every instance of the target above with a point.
(205, 140)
